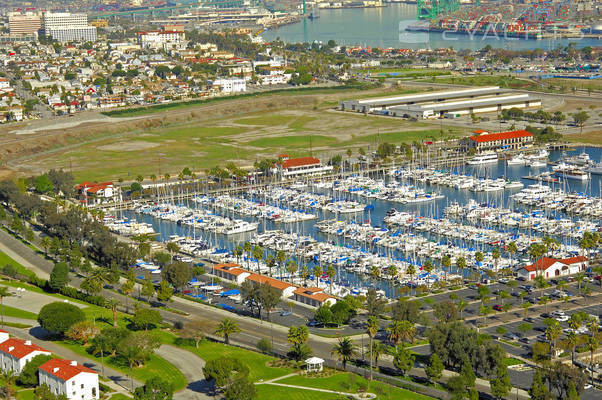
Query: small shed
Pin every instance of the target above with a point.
(314, 364)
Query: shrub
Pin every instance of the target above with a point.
(58, 317)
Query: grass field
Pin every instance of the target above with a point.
(256, 362)
(589, 138)
(283, 393)
(347, 382)
(119, 396)
(6, 260)
(243, 140)
(8, 311)
(26, 394)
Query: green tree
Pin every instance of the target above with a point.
(59, 277)
(165, 291)
(500, 383)
(434, 369)
(154, 388)
(146, 318)
(538, 390)
(345, 350)
(43, 185)
(374, 304)
(178, 274)
(372, 326)
(29, 374)
(403, 359)
(298, 337)
(227, 328)
(241, 389)
(58, 317)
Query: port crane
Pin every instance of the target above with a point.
(430, 9)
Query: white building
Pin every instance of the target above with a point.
(158, 39)
(68, 27)
(70, 379)
(230, 85)
(4, 83)
(552, 267)
(273, 79)
(15, 353)
(303, 166)
(3, 336)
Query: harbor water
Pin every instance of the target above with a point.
(377, 210)
(385, 27)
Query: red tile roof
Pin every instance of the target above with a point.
(281, 285)
(19, 348)
(546, 262)
(66, 370)
(313, 293)
(230, 268)
(491, 137)
(299, 162)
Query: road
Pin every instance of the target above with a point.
(191, 367)
(251, 329)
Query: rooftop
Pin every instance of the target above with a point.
(492, 137)
(64, 369)
(19, 348)
(299, 162)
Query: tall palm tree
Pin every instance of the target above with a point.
(331, 272)
(401, 330)
(371, 329)
(258, 255)
(227, 328)
(3, 293)
(462, 304)
(485, 311)
(553, 332)
(112, 304)
(511, 249)
(446, 263)
(378, 349)
(345, 350)
(461, 264)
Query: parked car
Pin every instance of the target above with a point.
(529, 319)
(285, 313)
(524, 340)
(562, 318)
(511, 336)
(498, 307)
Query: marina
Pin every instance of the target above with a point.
(387, 229)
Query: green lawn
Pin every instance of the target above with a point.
(256, 362)
(17, 313)
(287, 142)
(26, 394)
(5, 260)
(271, 392)
(119, 396)
(348, 382)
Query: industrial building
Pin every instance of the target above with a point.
(452, 109)
(383, 103)
(449, 104)
(24, 24)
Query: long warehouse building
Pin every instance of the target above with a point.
(383, 103)
(452, 109)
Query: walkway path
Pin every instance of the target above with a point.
(346, 394)
(191, 366)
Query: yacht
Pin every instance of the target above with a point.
(533, 192)
(485, 158)
(595, 169)
(535, 163)
(580, 159)
(517, 160)
(240, 226)
(568, 171)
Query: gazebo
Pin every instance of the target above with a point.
(314, 364)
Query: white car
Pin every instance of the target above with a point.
(562, 318)
(587, 386)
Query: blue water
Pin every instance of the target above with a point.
(381, 27)
(375, 216)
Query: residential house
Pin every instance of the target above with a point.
(15, 353)
(313, 296)
(65, 377)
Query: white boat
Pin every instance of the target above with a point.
(543, 153)
(535, 163)
(513, 185)
(240, 226)
(580, 159)
(596, 169)
(485, 158)
(517, 160)
(567, 171)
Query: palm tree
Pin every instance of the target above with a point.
(495, 254)
(9, 378)
(461, 264)
(553, 332)
(571, 342)
(291, 268)
(3, 293)
(330, 271)
(258, 255)
(317, 273)
(344, 351)
(227, 328)
(112, 304)
(371, 329)
(462, 304)
(401, 330)
(511, 249)
(378, 349)
(280, 257)
(579, 279)
(484, 311)
(247, 248)
(446, 263)
(270, 262)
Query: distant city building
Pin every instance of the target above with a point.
(158, 39)
(69, 378)
(24, 24)
(230, 85)
(68, 27)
